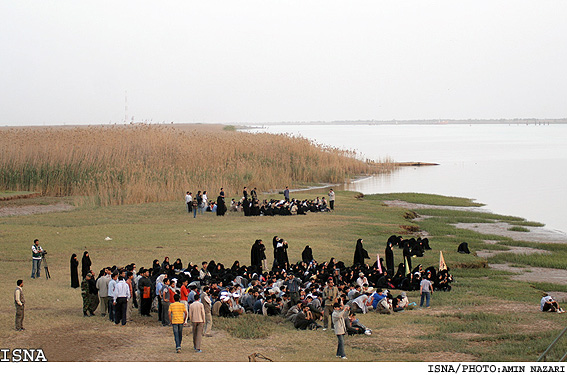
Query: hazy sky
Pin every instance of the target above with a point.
(73, 62)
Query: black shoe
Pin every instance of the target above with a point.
(85, 314)
(92, 313)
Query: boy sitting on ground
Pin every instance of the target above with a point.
(548, 304)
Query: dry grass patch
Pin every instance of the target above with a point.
(110, 165)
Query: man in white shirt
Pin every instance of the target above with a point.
(37, 253)
(205, 200)
(189, 201)
(331, 199)
(425, 290)
(102, 286)
(120, 297)
(111, 287)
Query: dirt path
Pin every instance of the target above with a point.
(536, 234)
(535, 274)
(35, 209)
(513, 250)
(416, 206)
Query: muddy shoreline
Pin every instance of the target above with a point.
(535, 234)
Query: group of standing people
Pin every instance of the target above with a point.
(116, 292)
(251, 205)
(200, 203)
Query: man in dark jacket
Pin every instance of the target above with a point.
(146, 291)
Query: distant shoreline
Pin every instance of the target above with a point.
(515, 121)
(247, 125)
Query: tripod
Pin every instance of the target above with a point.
(46, 267)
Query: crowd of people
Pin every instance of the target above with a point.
(250, 205)
(306, 293)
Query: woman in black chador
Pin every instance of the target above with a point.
(275, 241)
(307, 255)
(389, 258)
(74, 271)
(280, 254)
(360, 253)
(85, 264)
(406, 252)
(257, 254)
(221, 206)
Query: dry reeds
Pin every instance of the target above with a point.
(110, 165)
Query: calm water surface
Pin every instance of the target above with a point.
(515, 170)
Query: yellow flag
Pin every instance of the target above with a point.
(408, 271)
(442, 264)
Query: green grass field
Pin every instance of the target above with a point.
(486, 317)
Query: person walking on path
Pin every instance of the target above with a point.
(197, 318)
(286, 194)
(425, 290)
(37, 255)
(177, 316)
(19, 301)
(331, 199)
(338, 318)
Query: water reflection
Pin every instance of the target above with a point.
(513, 169)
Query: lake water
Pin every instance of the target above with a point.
(515, 170)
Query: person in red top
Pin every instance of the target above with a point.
(183, 298)
(172, 291)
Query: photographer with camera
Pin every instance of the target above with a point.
(37, 255)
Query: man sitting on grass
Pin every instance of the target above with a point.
(548, 304)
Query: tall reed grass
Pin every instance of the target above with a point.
(110, 165)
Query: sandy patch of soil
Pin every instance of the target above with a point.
(536, 234)
(513, 250)
(35, 209)
(536, 274)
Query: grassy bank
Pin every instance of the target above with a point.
(486, 317)
(109, 165)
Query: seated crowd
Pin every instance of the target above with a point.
(302, 293)
(274, 207)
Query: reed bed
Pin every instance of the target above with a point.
(113, 165)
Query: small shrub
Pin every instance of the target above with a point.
(409, 229)
(517, 228)
(482, 264)
(410, 215)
